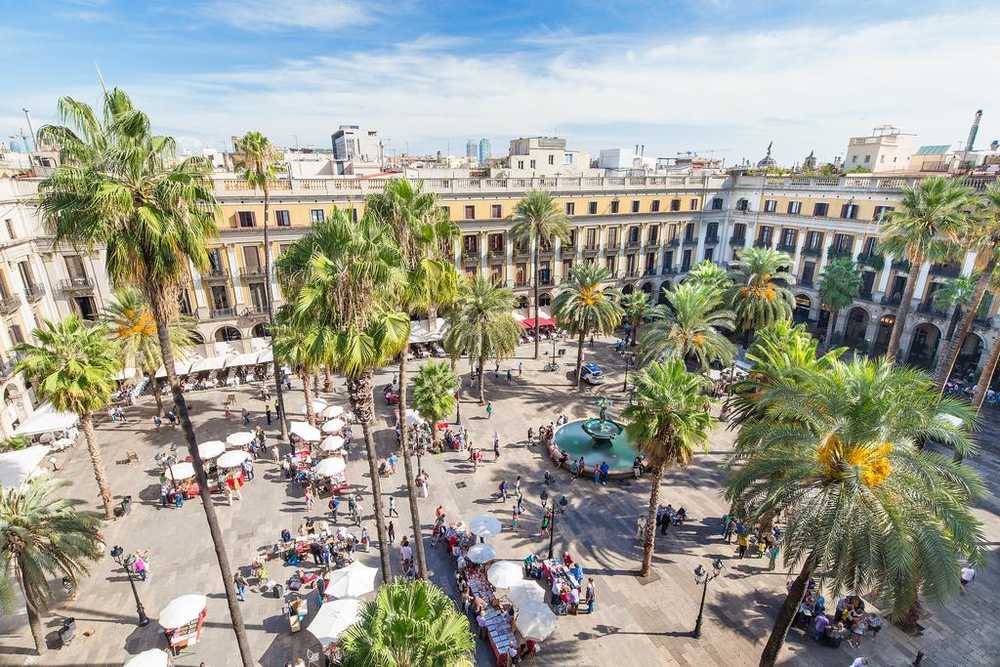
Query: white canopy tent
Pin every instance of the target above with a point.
(526, 591)
(505, 573)
(330, 467)
(239, 439)
(485, 525)
(245, 359)
(180, 368)
(211, 449)
(332, 443)
(19, 466)
(334, 426)
(305, 431)
(352, 581)
(332, 411)
(179, 471)
(205, 365)
(46, 419)
(266, 357)
(232, 458)
(426, 332)
(333, 618)
(125, 374)
(154, 657)
(181, 611)
(481, 553)
(535, 620)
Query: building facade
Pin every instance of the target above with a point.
(485, 150)
(647, 231)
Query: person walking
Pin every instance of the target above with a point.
(392, 507)
(640, 526)
(545, 523)
(334, 505)
(520, 369)
(309, 498)
(267, 414)
(772, 556)
(496, 446)
(489, 410)
(391, 530)
(510, 377)
(742, 542)
(514, 517)
(246, 416)
(241, 586)
(967, 575)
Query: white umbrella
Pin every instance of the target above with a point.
(232, 458)
(413, 418)
(329, 467)
(318, 405)
(305, 431)
(182, 470)
(182, 611)
(951, 419)
(240, 439)
(211, 449)
(481, 553)
(332, 411)
(332, 443)
(525, 592)
(484, 525)
(333, 618)
(352, 581)
(536, 621)
(334, 426)
(154, 657)
(505, 573)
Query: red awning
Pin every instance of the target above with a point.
(529, 323)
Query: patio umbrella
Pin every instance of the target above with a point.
(413, 418)
(332, 443)
(182, 611)
(334, 426)
(232, 458)
(240, 439)
(332, 411)
(318, 405)
(333, 618)
(154, 657)
(211, 449)
(525, 592)
(951, 419)
(305, 431)
(334, 465)
(352, 581)
(505, 573)
(484, 525)
(182, 470)
(536, 621)
(481, 553)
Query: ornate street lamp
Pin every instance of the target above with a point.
(702, 577)
(126, 562)
(555, 510)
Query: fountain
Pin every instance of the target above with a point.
(602, 430)
(598, 440)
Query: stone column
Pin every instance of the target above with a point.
(883, 279)
(800, 241)
(239, 298)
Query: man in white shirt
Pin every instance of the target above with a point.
(968, 574)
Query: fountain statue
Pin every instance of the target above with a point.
(602, 430)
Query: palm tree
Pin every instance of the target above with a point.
(258, 157)
(865, 506)
(42, 537)
(931, 212)
(537, 221)
(690, 324)
(838, 286)
(131, 324)
(408, 623)
(482, 325)
(434, 390)
(289, 341)
(421, 231)
(637, 308)
(73, 366)
(709, 274)
(341, 280)
(584, 307)
(667, 420)
(120, 186)
(760, 294)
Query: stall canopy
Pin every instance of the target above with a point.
(182, 611)
(19, 466)
(333, 618)
(232, 458)
(529, 322)
(46, 419)
(352, 581)
(125, 374)
(245, 359)
(330, 467)
(210, 364)
(180, 367)
(154, 657)
(266, 357)
(305, 431)
(425, 332)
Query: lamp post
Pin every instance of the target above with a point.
(458, 407)
(555, 510)
(629, 360)
(702, 577)
(118, 554)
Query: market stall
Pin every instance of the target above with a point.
(331, 443)
(481, 553)
(484, 526)
(304, 432)
(211, 449)
(332, 412)
(234, 458)
(333, 426)
(182, 621)
(239, 439)
(505, 573)
(181, 476)
(154, 657)
(352, 581)
(332, 619)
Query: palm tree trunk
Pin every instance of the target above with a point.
(538, 243)
(986, 376)
(279, 393)
(904, 308)
(154, 383)
(829, 330)
(327, 380)
(359, 391)
(946, 361)
(87, 424)
(579, 356)
(649, 539)
(786, 615)
(160, 311)
(34, 617)
(418, 540)
(308, 397)
(482, 380)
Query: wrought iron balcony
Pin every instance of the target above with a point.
(812, 251)
(222, 313)
(212, 275)
(674, 242)
(77, 284)
(738, 242)
(711, 239)
(34, 292)
(10, 304)
(946, 270)
(874, 261)
(252, 272)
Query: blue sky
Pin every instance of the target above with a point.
(674, 75)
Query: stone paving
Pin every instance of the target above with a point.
(637, 622)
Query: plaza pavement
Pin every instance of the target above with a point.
(637, 622)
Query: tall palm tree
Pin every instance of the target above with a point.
(537, 221)
(690, 324)
(131, 324)
(434, 390)
(636, 309)
(760, 293)
(289, 340)
(865, 506)
(122, 187)
(482, 325)
(341, 280)
(258, 157)
(710, 274)
(668, 420)
(42, 537)
(838, 286)
(421, 231)
(584, 307)
(73, 366)
(408, 623)
(923, 228)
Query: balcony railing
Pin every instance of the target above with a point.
(785, 247)
(806, 282)
(893, 299)
(78, 283)
(252, 272)
(674, 242)
(931, 310)
(812, 251)
(833, 252)
(34, 292)
(222, 313)
(946, 270)
(633, 244)
(10, 304)
(215, 275)
(591, 250)
(496, 253)
(738, 242)
(762, 243)
(902, 265)
(711, 239)
(866, 296)
(875, 261)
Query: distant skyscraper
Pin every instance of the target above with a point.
(484, 150)
(470, 149)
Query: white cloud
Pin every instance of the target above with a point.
(267, 15)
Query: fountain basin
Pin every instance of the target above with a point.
(602, 431)
(611, 445)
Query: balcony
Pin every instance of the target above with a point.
(650, 271)
(737, 242)
(253, 311)
(690, 240)
(521, 252)
(901, 265)
(470, 260)
(866, 296)
(221, 313)
(77, 284)
(567, 248)
(521, 284)
(34, 292)
(946, 270)
(591, 250)
(634, 243)
(893, 299)
(215, 275)
(711, 239)
(833, 252)
(874, 261)
(762, 243)
(785, 247)
(10, 304)
(806, 282)
(674, 242)
(545, 251)
(496, 253)
(668, 271)
(812, 251)
(252, 272)
(652, 244)
(931, 310)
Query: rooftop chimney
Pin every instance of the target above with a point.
(973, 131)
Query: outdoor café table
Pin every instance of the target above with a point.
(500, 633)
